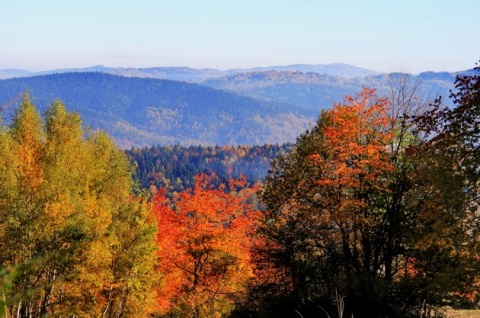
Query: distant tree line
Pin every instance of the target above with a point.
(175, 167)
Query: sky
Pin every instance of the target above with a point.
(380, 35)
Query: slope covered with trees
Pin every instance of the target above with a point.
(251, 107)
(175, 167)
(144, 112)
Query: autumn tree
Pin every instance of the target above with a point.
(204, 239)
(449, 180)
(72, 235)
(348, 214)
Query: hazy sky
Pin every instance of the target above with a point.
(381, 35)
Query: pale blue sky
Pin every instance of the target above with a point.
(381, 35)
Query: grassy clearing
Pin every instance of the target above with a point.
(461, 313)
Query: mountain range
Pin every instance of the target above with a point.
(179, 105)
(188, 74)
(313, 91)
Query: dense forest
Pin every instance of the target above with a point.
(175, 167)
(372, 213)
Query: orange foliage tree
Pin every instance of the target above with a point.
(364, 207)
(204, 242)
(331, 223)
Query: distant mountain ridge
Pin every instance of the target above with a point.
(13, 73)
(336, 69)
(188, 74)
(312, 91)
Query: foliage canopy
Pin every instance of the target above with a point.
(368, 207)
(74, 239)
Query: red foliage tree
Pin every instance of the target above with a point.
(204, 241)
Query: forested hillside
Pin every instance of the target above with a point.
(174, 167)
(271, 105)
(140, 112)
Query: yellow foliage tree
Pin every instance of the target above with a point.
(76, 240)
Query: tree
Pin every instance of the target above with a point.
(450, 181)
(350, 212)
(68, 220)
(204, 239)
